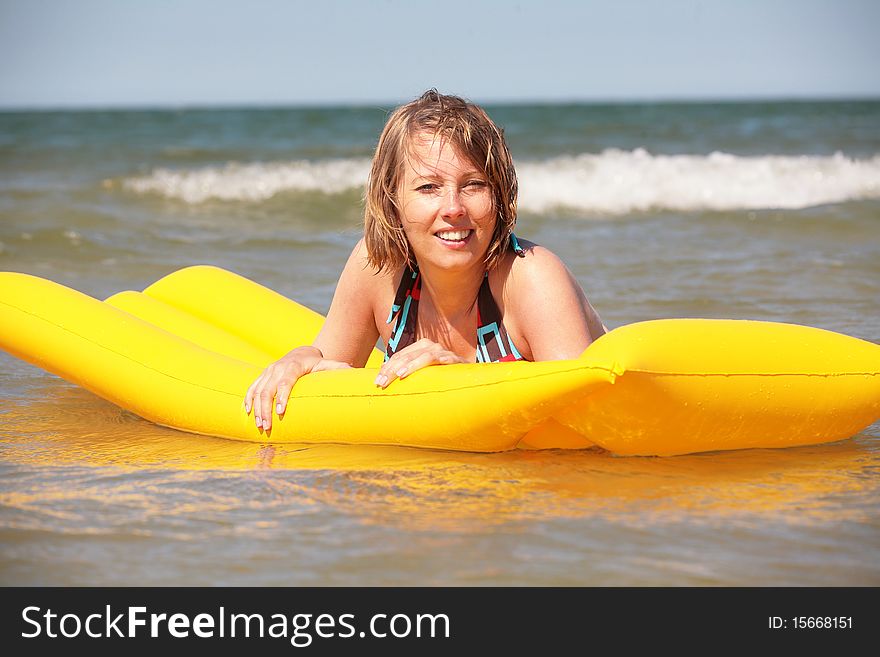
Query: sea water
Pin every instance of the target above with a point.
(767, 211)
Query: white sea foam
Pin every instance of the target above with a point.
(612, 182)
(619, 182)
(253, 182)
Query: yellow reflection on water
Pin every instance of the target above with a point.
(432, 489)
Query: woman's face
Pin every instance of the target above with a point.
(447, 206)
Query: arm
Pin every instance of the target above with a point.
(350, 332)
(549, 307)
(345, 340)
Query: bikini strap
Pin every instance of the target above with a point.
(517, 249)
(406, 309)
(493, 343)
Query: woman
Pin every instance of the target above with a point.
(439, 275)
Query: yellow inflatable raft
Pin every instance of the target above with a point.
(183, 352)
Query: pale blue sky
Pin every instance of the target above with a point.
(99, 53)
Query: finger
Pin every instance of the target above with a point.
(249, 395)
(388, 370)
(413, 362)
(258, 420)
(384, 380)
(266, 398)
(384, 371)
(281, 396)
(419, 362)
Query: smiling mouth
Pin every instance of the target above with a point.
(454, 235)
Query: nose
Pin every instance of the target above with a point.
(452, 205)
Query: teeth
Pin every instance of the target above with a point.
(453, 235)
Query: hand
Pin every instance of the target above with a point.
(414, 357)
(276, 382)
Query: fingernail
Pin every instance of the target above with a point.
(247, 408)
(381, 380)
(401, 372)
(259, 422)
(278, 409)
(266, 424)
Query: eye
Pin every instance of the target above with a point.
(427, 187)
(475, 186)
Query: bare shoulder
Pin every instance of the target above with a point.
(352, 326)
(540, 270)
(546, 305)
(363, 276)
(359, 261)
(364, 285)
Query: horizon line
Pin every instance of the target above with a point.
(390, 104)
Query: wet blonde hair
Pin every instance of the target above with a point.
(474, 135)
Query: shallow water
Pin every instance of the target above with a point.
(91, 494)
(94, 495)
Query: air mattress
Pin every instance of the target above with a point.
(183, 352)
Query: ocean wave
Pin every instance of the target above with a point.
(253, 182)
(612, 182)
(620, 182)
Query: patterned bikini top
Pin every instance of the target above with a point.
(493, 343)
